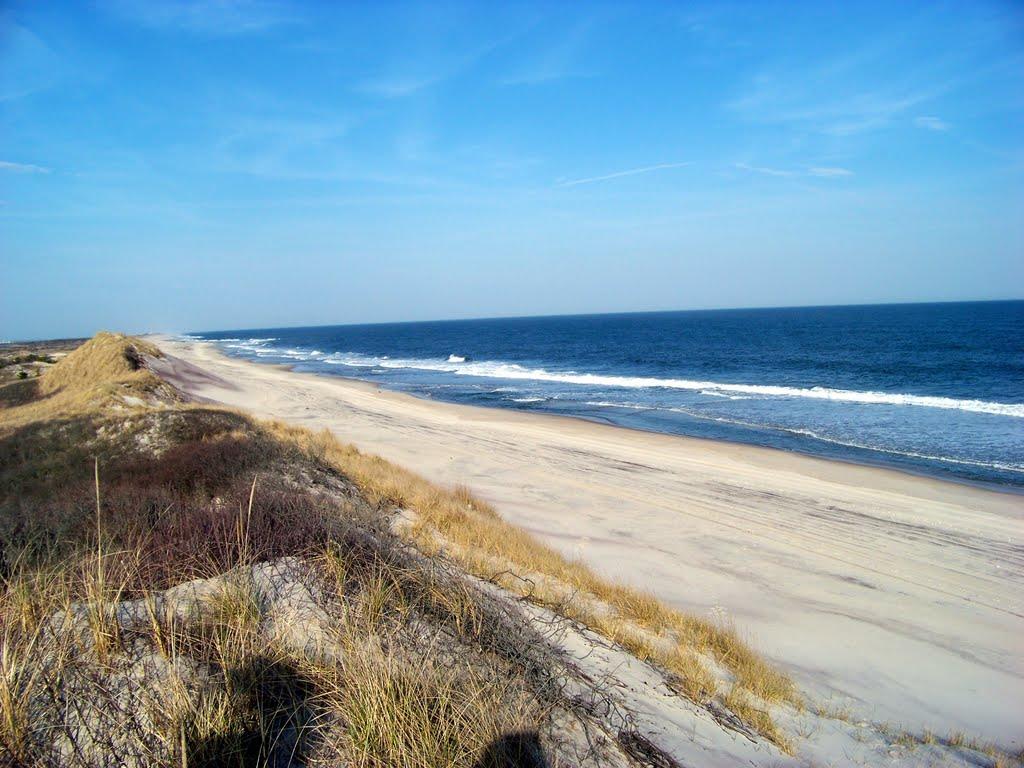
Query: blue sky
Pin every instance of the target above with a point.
(204, 165)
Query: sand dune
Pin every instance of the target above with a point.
(897, 597)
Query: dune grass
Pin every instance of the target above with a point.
(193, 492)
(106, 503)
(105, 371)
(80, 686)
(257, 702)
(177, 503)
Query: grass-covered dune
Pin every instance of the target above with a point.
(184, 585)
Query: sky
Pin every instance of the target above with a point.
(176, 166)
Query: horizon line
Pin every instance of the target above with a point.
(4, 342)
(603, 314)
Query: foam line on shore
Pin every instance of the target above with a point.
(513, 371)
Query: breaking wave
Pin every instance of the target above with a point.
(463, 366)
(511, 371)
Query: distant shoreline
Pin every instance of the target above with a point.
(783, 455)
(865, 460)
(1013, 490)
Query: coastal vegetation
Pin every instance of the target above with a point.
(185, 585)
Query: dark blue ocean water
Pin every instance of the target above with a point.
(933, 388)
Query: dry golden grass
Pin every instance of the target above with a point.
(105, 370)
(379, 706)
(105, 358)
(755, 714)
(469, 529)
(472, 532)
(374, 703)
(487, 546)
(387, 703)
(206, 504)
(420, 714)
(19, 679)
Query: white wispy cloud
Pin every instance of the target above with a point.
(209, 17)
(776, 101)
(620, 174)
(931, 123)
(27, 64)
(297, 145)
(764, 170)
(542, 75)
(827, 172)
(853, 92)
(6, 165)
(558, 61)
(396, 87)
(440, 62)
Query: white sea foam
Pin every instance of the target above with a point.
(461, 366)
(496, 370)
(998, 465)
(713, 393)
(255, 345)
(912, 454)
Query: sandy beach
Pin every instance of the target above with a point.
(899, 598)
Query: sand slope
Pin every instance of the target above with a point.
(897, 597)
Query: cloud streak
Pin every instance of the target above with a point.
(27, 64)
(781, 102)
(823, 172)
(855, 92)
(22, 167)
(434, 67)
(931, 123)
(620, 174)
(557, 62)
(218, 18)
(397, 87)
(829, 172)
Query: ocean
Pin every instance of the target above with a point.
(928, 388)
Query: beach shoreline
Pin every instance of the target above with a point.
(981, 485)
(903, 579)
(766, 450)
